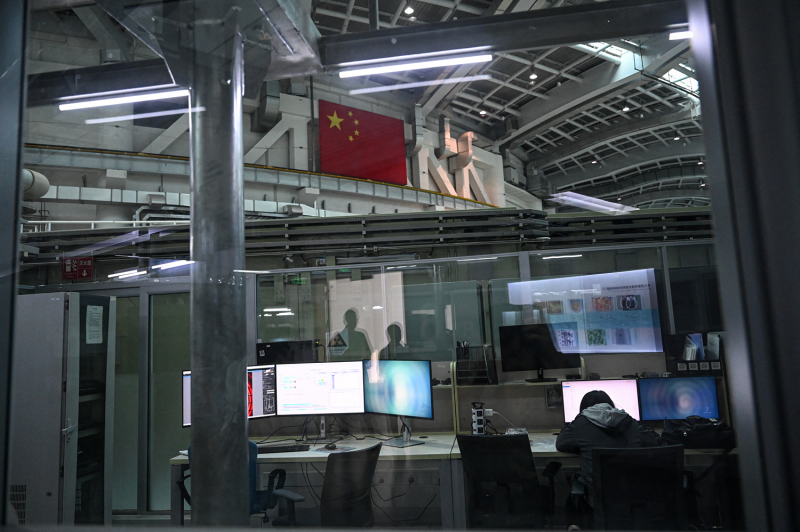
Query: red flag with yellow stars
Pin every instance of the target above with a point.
(358, 143)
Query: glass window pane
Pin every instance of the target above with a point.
(126, 405)
(169, 357)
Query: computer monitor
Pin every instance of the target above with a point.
(533, 347)
(678, 398)
(287, 352)
(398, 387)
(261, 400)
(331, 388)
(622, 391)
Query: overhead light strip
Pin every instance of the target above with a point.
(415, 65)
(678, 35)
(131, 98)
(561, 257)
(144, 115)
(401, 86)
(414, 57)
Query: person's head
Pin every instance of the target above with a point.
(395, 333)
(595, 397)
(351, 319)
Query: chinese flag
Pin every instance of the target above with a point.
(358, 143)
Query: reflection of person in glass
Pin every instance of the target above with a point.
(357, 342)
(395, 335)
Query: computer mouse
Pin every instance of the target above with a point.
(331, 446)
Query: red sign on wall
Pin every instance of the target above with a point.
(77, 268)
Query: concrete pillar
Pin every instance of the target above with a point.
(220, 493)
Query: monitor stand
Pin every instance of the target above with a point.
(541, 378)
(404, 440)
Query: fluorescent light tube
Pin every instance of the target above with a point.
(173, 264)
(561, 257)
(285, 314)
(470, 260)
(143, 115)
(401, 86)
(279, 309)
(118, 274)
(131, 274)
(415, 65)
(131, 98)
(678, 35)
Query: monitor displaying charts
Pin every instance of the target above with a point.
(678, 398)
(332, 388)
(398, 387)
(261, 400)
(622, 391)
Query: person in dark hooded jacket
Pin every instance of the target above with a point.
(600, 424)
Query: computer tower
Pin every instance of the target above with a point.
(62, 409)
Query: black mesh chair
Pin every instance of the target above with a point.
(345, 500)
(638, 488)
(503, 489)
(260, 501)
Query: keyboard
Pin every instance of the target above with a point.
(267, 448)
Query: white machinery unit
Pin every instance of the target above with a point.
(62, 409)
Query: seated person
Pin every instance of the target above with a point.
(599, 424)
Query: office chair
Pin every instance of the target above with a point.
(503, 488)
(345, 500)
(260, 501)
(638, 488)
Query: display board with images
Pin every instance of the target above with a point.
(601, 313)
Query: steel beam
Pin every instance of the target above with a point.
(13, 28)
(505, 33)
(50, 87)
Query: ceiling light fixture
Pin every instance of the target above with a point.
(285, 314)
(589, 203)
(416, 65)
(678, 35)
(144, 115)
(702, 184)
(131, 98)
(700, 163)
(533, 75)
(561, 257)
(677, 138)
(279, 309)
(173, 264)
(626, 109)
(408, 10)
(401, 86)
(412, 18)
(482, 112)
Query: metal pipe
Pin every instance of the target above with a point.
(374, 20)
(220, 493)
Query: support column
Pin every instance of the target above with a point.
(13, 26)
(220, 493)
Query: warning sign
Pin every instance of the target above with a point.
(77, 268)
(338, 344)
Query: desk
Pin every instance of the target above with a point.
(440, 447)
(543, 446)
(437, 447)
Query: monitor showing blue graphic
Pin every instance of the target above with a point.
(678, 398)
(332, 388)
(398, 387)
